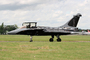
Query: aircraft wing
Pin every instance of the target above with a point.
(81, 33)
(62, 31)
(57, 31)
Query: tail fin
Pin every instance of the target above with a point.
(73, 22)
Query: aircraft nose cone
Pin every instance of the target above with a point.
(11, 33)
(14, 32)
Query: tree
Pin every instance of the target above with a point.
(11, 27)
(5, 28)
(2, 29)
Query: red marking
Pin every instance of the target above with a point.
(88, 31)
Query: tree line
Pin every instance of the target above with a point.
(6, 28)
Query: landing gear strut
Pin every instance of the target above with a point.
(51, 39)
(58, 39)
(31, 39)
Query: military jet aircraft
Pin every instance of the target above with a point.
(31, 28)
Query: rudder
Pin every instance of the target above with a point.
(73, 22)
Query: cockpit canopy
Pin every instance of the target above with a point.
(30, 24)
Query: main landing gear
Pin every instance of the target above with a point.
(58, 38)
(51, 39)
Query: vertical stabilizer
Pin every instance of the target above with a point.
(73, 22)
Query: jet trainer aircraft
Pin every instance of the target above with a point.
(31, 28)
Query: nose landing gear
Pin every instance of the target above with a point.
(31, 39)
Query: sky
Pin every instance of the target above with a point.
(52, 13)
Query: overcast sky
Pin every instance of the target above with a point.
(45, 12)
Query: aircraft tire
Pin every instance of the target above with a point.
(51, 39)
(58, 40)
(31, 40)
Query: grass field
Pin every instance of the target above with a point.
(17, 47)
(44, 38)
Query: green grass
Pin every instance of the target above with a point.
(44, 38)
(44, 50)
